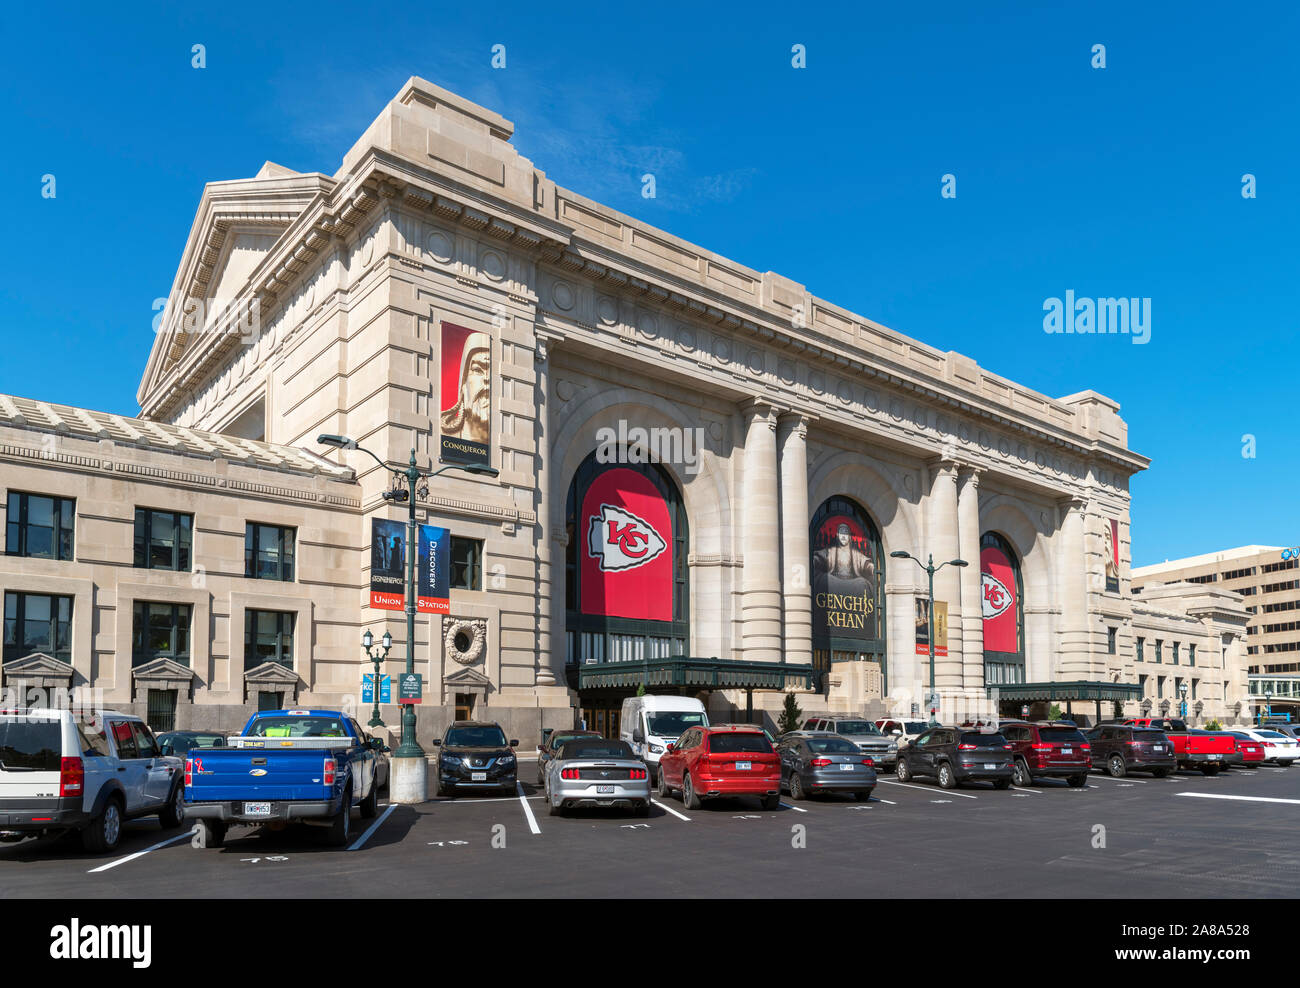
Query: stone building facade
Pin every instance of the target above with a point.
(703, 469)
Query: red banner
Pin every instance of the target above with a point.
(625, 546)
(998, 601)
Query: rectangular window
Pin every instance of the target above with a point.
(1159, 648)
(162, 710)
(1191, 654)
(268, 552)
(268, 637)
(1160, 687)
(163, 539)
(1194, 682)
(269, 701)
(466, 563)
(37, 623)
(1142, 685)
(1141, 643)
(160, 631)
(39, 527)
(1110, 640)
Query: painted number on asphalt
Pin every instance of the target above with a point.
(636, 826)
(746, 816)
(273, 857)
(447, 843)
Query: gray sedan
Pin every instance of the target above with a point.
(588, 772)
(821, 761)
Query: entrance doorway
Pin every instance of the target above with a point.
(604, 720)
(464, 706)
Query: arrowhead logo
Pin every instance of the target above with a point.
(619, 540)
(996, 598)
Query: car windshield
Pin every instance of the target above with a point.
(298, 726)
(1061, 735)
(915, 726)
(30, 746)
(730, 742)
(832, 746)
(488, 736)
(559, 739)
(595, 748)
(673, 723)
(1272, 734)
(1149, 737)
(856, 727)
(981, 740)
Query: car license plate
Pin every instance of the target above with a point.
(1067, 751)
(604, 790)
(990, 765)
(1158, 747)
(846, 767)
(257, 809)
(744, 766)
(478, 777)
(1214, 757)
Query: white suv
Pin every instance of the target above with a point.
(61, 770)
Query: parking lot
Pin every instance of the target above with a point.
(1232, 835)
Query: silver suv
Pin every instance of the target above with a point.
(64, 770)
(866, 735)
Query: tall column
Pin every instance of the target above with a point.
(972, 613)
(760, 615)
(549, 658)
(941, 523)
(792, 439)
(1072, 587)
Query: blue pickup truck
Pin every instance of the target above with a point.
(286, 766)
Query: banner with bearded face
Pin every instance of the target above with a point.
(465, 406)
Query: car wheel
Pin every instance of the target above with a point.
(771, 802)
(172, 815)
(796, 787)
(947, 780)
(1115, 766)
(103, 833)
(901, 771)
(1001, 783)
(1286, 764)
(1160, 773)
(1078, 781)
(862, 795)
(370, 805)
(341, 826)
(689, 799)
(662, 789)
(643, 808)
(1209, 769)
(1020, 773)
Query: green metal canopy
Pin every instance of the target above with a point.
(696, 672)
(1077, 690)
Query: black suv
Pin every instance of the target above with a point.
(475, 756)
(955, 755)
(1124, 748)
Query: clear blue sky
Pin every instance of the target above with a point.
(1117, 181)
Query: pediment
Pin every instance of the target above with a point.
(164, 669)
(271, 674)
(466, 677)
(38, 664)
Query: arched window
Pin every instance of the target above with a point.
(627, 591)
(1002, 600)
(847, 568)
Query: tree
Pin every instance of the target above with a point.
(640, 690)
(1055, 712)
(791, 715)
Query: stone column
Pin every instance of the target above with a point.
(760, 613)
(972, 614)
(549, 662)
(1075, 661)
(792, 439)
(942, 529)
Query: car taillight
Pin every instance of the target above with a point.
(569, 773)
(1085, 747)
(72, 777)
(868, 761)
(965, 747)
(1008, 747)
(330, 768)
(189, 771)
(636, 773)
(1042, 746)
(820, 762)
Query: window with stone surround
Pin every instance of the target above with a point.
(160, 631)
(268, 637)
(37, 623)
(40, 526)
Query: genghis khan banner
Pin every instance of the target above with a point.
(465, 407)
(844, 578)
(1111, 554)
(388, 567)
(625, 549)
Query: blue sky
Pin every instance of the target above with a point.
(1122, 181)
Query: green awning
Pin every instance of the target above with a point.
(695, 672)
(1077, 690)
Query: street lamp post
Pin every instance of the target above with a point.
(368, 640)
(1182, 706)
(930, 570)
(1268, 702)
(410, 778)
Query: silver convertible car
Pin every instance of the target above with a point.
(597, 772)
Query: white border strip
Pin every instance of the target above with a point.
(669, 809)
(373, 827)
(1244, 799)
(528, 810)
(140, 854)
(946, 792)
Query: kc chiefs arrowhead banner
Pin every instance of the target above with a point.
(998, 601)
(625, 548)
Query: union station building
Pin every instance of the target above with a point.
(703, 474)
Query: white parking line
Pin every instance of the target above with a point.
(1023, 789)
(528, 810)
(669, 809)
(1244, 799)
(877, 799)
(905, 785)
(141, 854)
(373, 827)
(1141, 782)
(797, 809)
(470, 802)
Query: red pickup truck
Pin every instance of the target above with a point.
(1208, 751)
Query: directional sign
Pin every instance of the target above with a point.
(368, 688)
(410, 688)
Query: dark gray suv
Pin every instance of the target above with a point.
(954, 755)
(475, 756)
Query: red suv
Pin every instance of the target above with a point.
(706, 762)
(1046, 748)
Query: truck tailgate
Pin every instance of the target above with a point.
(258, 774)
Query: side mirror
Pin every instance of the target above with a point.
(385, 748)
(437, 742)
(514, 744)
(671, 747)
(638, 735)
(896, 733)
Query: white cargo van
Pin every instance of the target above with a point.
(651, 723)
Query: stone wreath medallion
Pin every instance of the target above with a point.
(473, 629)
